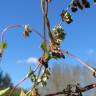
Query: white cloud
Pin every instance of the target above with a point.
(91, 52)
(30, 60)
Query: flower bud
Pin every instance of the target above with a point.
(86, 3)
(65, 15)
(27, 30)
(1, 52)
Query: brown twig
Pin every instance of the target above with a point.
(57, 93)
(79, 90)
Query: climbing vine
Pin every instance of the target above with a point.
(51, 47)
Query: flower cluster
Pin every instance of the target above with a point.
(78, 4)
(58, 33)
(65, 15)
(3, 45)
(44, 77)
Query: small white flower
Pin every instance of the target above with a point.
(39, 80)
(43, 71)
(44, 79)
(27, 28)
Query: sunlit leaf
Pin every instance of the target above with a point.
(4, 91)
(42, 46)
(30, 72)
(45, 48)
(48, 72)
(46, 56)
(42, 5)
(31, 75)
(33, 78)
(43, 83)
(3, 45)
(22, 93)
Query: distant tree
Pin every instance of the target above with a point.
(5, 80)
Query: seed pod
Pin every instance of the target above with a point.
(27, 30)
(25, 33)
(65, 15)
(86, 3)
(79, 5)
(74, 6)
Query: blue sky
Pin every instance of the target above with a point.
(80, 39)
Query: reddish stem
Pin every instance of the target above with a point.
(79, 60)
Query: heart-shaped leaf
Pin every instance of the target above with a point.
(3, 45)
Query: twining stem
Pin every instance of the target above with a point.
(79, 60)
(3, 32)
(64, 52)
(8, 28)
(44, 28)
(37, 32)
(22, 80)
(48, 24)
(47, 7)
(53, 94)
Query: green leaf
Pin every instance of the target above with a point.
(44, 83)
(31, 75)
(33, 78)
(46, 56)
(22, 93)
(94, 1)
(30, 72)
(3, 45)
(43, 47)
(42, 5)
(55, 56)
(4, 91)
(47, 72)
